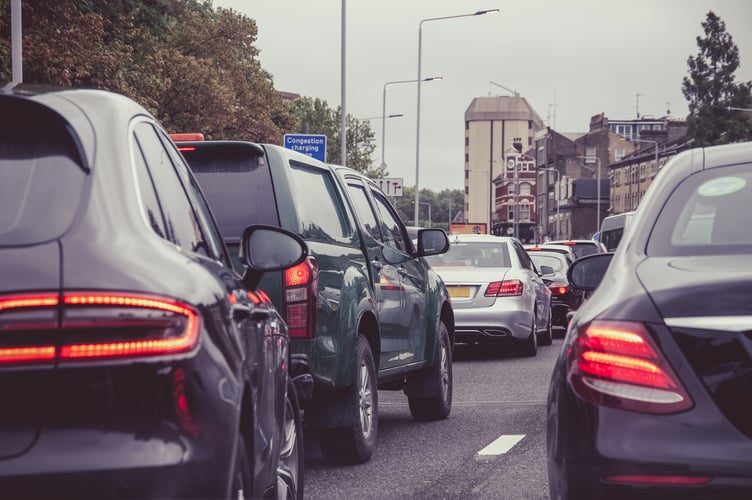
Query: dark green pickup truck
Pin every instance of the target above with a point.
(365, 308)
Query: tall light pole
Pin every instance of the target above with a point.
(383, 115)
(598, 195)
(429, 213)
(343, 109)
(556, 197)
(417, 127)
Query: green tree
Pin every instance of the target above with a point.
(315, 116)
(711, 90)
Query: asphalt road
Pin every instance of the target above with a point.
(493, 444)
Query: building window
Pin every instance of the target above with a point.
(511, 188)
(467, 125)
(467, 174)
(510, 213)
(525, 211)
(467, 141)
(524, 188)
(530, 124)
(618, 154)
(590, 154)
(467, 157)
(467, 189)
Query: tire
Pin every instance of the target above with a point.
(530, 345)
(438, 406)
(355, 444)
(242, 482)
(290, 467)
(548, 337)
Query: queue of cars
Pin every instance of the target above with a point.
(649, 396)
(134, 361)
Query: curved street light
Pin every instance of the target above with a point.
(417, 128)
(383, 114)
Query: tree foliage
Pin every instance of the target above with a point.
(315, 116)
(711, 89)
(194, 67)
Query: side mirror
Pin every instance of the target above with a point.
(432, 242)
(271, 248)
(586, 273)
(546, 270)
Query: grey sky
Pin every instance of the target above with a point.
(583, 56)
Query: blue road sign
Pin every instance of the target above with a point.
(309, 144)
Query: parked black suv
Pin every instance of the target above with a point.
(365, 307)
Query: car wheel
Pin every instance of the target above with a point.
(355, 444)
(548, 337)
(292, 452)
(530, 345)
(242, 487)
(438, 406)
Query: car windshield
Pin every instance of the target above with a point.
(472, 254)
(708, 214)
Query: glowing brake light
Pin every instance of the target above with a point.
(94, 325)
(301, 297)
(618, 364)
(559, 289)
(187, 137)
(506, 288)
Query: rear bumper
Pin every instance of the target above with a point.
(490, 325)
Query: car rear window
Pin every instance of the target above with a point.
(237, 184)
(42, 177)
(547, 260)
(707, 214)
(463, 254)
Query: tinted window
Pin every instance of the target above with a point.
(181, 224)
(321, 213)
(151, 209)
(237, 184)
(708, 214)
(41, 178)
(391, 227)
(364, 210)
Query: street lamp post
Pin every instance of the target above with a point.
(598, 192)
(556, 198)
(384, 116)
(417, 127)
(429, 213)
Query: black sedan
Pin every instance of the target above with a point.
(651, 396)
(134, 362)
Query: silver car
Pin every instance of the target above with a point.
(497, 293)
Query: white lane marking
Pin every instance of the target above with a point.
(501, 445)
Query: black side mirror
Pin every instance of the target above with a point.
(269, 248)
(586, 273)
(432, 242)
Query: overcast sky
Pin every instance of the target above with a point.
(570, 59)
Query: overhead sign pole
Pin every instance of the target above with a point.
(16, 40)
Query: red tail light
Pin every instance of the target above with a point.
(618, 364)
(559, 289)
(301, 297)
(37, 328)
(646, 479)
(506, 288)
